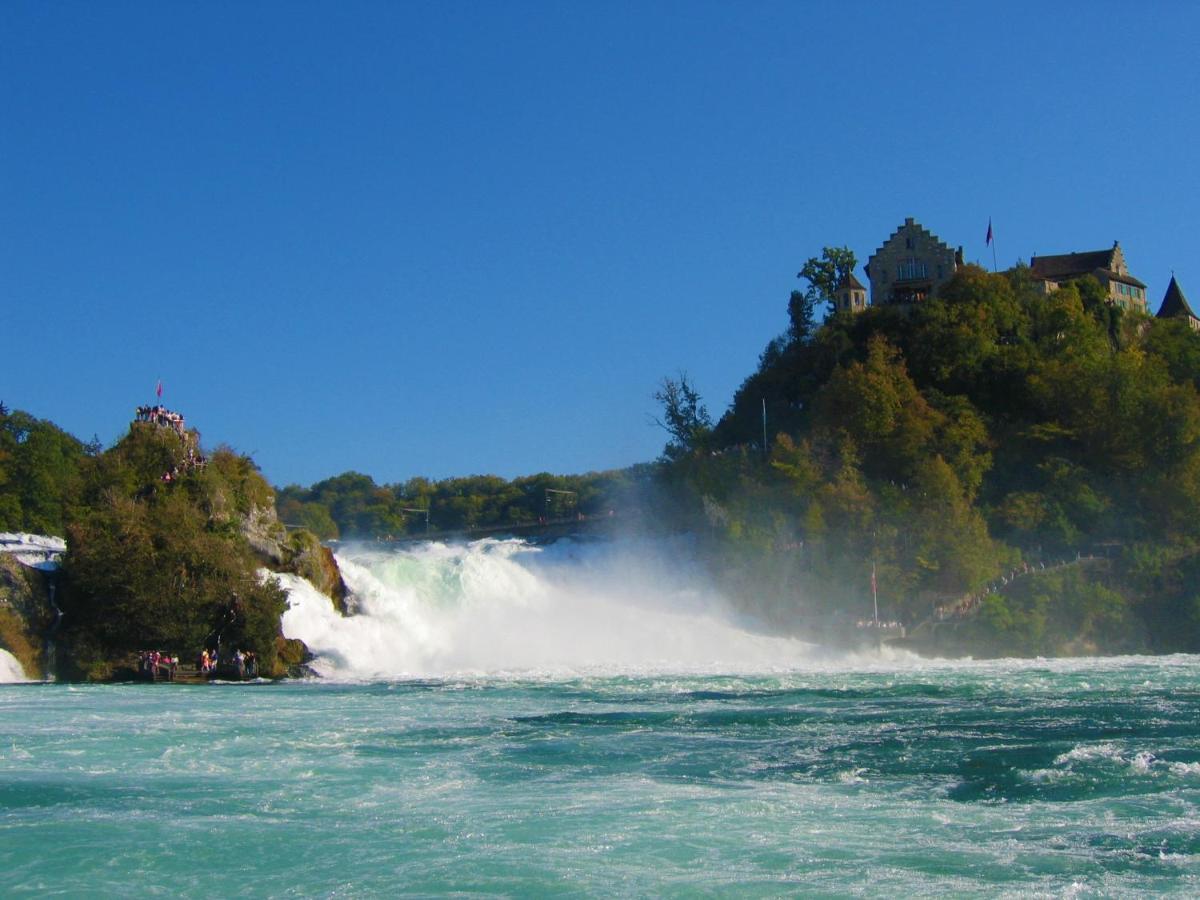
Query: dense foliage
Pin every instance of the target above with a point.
(989, 426)
(39, 468)
(353, 506)
(163, 564)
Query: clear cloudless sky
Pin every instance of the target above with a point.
(453, 238)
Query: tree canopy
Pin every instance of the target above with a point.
(39, 468)
(163, 564)
(987, 426)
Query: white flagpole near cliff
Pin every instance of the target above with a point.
(764, 404)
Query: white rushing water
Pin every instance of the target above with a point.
(40, 551)
(494, 606)
(10, 669)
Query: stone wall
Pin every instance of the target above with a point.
(913, 261)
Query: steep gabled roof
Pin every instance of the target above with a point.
(1066, 266)
(1117, 276)
(1174, 303)
(915, 226)
(850, 282)
(1071, 265)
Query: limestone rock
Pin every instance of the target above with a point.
(298, 553)
(25, 614)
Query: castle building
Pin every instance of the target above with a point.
(850, 295)
(1175, 305)
(1107, 266)
(910, 265)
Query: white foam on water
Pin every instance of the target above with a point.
(496, 607)
(19, 541)
(1090, 753)
(10, 670)
(1142, 762)
(40, 551)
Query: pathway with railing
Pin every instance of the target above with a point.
(962, 608)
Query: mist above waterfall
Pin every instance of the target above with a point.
(508, 606)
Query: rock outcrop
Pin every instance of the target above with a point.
(25, 614)
(296, 552)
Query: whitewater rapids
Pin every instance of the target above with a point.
(511, 607)
(10, 669)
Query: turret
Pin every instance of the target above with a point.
(850, 295)
(1175, 305)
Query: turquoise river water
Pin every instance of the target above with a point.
(1077, 778)
(816, 776)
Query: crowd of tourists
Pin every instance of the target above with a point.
(195, 460)
(165, 418)
(243, 662)
(160, 415)
(876, 625)
(156, 665)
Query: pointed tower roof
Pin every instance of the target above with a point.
(850, 282)
(1174, 303)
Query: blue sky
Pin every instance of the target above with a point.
(443, 239)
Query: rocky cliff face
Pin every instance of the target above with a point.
(25, 614)
(298, 552)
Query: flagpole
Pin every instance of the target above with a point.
(764, 404)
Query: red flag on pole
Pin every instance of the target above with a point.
(989, 234)
(158, 390)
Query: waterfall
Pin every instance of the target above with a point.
(509, 606)
(10, 669)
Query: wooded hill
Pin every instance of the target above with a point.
(946, 443)
(988, 428)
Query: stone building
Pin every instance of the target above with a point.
(1107, 266)
(1175, 305)
(910, 265)
(850, 295)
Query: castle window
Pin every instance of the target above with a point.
(908, 243)
(912, 269)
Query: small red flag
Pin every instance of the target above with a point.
(158, 390)
(989, 234)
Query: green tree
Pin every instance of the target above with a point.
(823, 274)
(684, 417)
(826, 272)
(39, 470)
